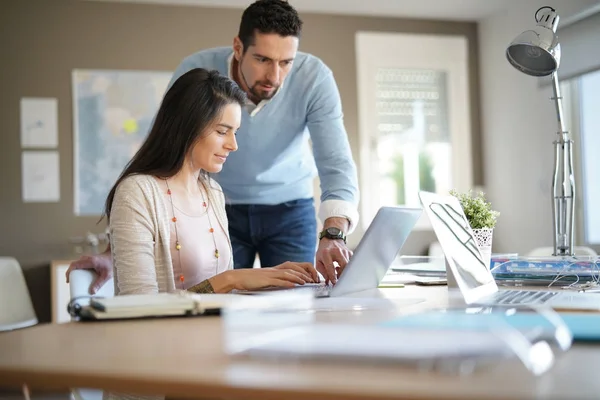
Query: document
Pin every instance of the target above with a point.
(39, 122)
(40, 176)
(373, 343)
(359, 303)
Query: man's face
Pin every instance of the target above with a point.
(265, 64)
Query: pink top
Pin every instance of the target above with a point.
(196, 259)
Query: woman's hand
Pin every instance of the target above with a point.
(101, 263)
(286, 275)
(303, 267)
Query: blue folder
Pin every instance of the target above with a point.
(583, 326)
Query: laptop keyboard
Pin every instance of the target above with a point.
(318, 289)
(522, 297)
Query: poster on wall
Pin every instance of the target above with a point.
(40, 176)
(39, 122)
(113, 111)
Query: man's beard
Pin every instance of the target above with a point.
(263, 94)
(255, 91)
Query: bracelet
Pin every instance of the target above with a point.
(202, 287)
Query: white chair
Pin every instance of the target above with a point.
(16, 308)
(547, 251)
(79, 285)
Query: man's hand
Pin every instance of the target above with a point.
(332, 251)
(101, 263)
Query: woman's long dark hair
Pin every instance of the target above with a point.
(188, 108)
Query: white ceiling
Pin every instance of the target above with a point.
(457, 10)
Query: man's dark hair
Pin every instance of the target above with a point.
(269, 16)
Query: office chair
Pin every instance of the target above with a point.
(16, 308)
(79, 285)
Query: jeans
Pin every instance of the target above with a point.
(278, 233)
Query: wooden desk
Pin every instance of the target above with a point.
(184, 358)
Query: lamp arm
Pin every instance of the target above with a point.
(559, 110)
(563, 183)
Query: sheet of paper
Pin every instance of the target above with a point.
(39, 122)
(40, 174)
(360, 303)
(376, 343)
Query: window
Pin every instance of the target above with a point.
(414, 118)
(590, 143)
(413, 145)
(581, 102)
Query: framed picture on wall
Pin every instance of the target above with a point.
(113, 111)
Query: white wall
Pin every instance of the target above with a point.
(518, 126)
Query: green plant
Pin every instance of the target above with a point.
(478, 211)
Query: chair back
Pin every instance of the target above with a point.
(16, 307)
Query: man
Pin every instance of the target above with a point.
(268, 182)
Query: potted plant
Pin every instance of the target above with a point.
(482, 220)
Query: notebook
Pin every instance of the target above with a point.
(178, 304)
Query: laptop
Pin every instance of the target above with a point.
(474, 280)
(373, 256)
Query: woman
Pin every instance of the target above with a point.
(167, 220)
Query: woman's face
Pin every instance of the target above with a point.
(211, 150)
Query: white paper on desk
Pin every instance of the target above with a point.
(375, 343)
(356, 303)
(40, 176)
(39, 122)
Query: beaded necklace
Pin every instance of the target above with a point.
(178, 246)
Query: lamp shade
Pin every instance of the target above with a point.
(536, 52)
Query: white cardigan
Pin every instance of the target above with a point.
(140, 235)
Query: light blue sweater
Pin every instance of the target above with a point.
(274, 162)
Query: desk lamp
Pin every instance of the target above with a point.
(536, 52)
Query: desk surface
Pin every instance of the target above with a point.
(184, 358)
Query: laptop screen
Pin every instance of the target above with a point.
(456, 238)
(377, 249)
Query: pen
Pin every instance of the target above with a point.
(391, 285)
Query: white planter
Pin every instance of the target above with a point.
(484, 242)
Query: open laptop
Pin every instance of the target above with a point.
(372, 257)
(473, 278)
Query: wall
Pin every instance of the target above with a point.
(518, 128)
(50, 38)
